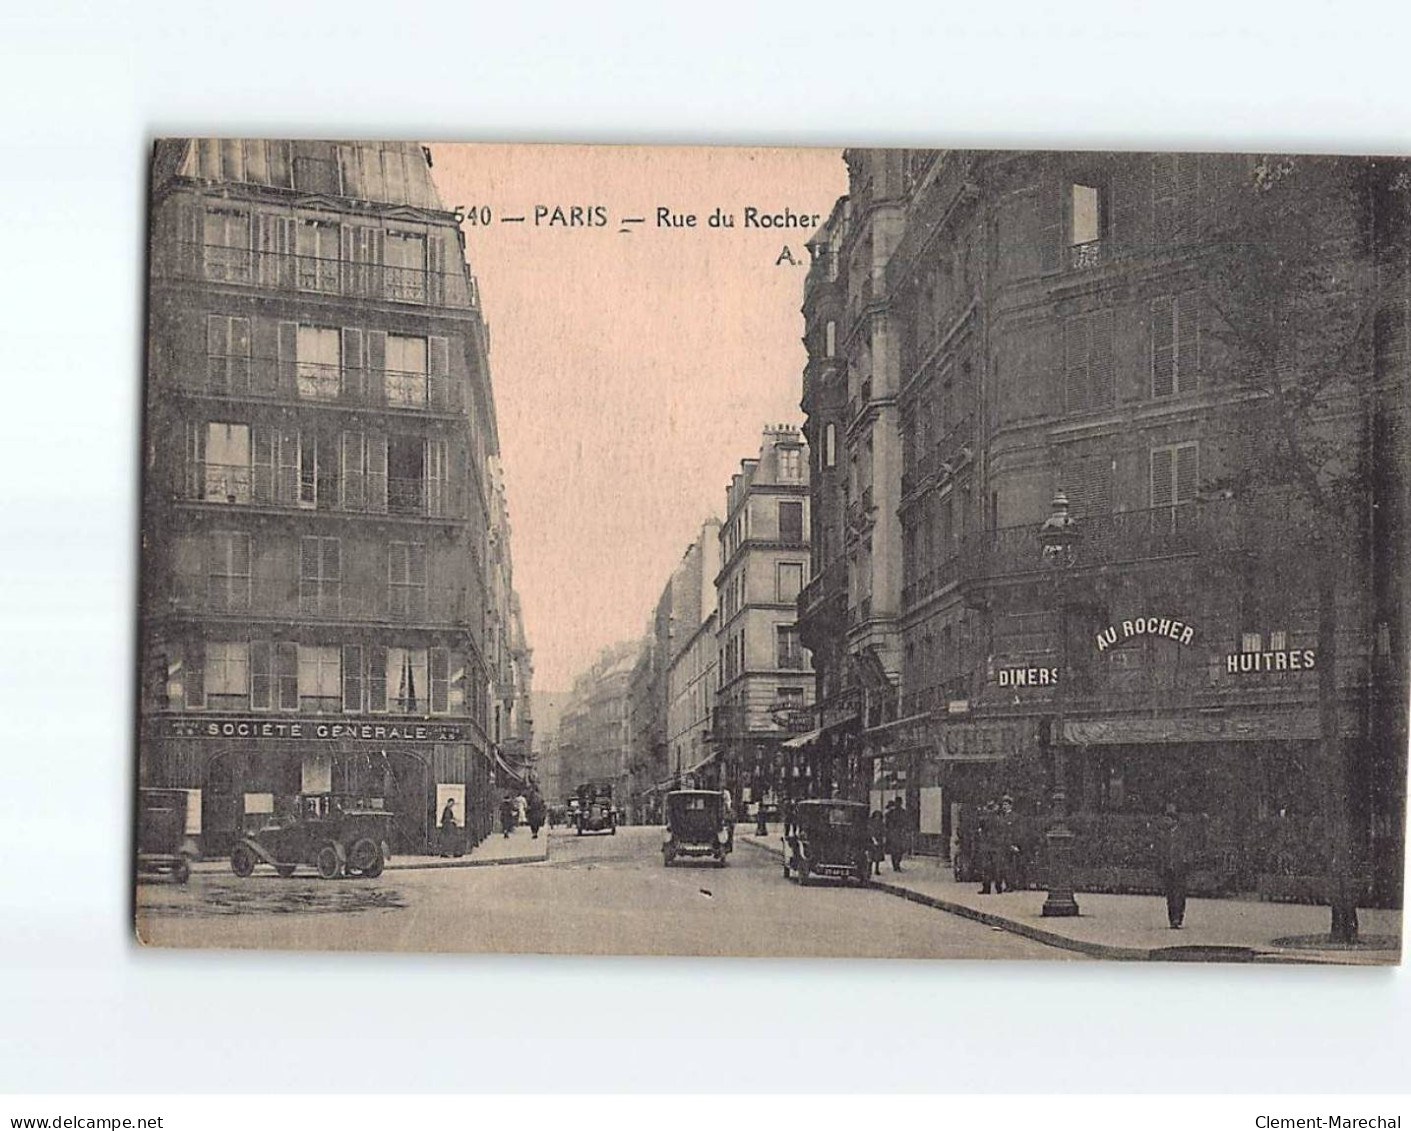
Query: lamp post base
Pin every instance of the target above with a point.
(1060, 902)
(1060, 905)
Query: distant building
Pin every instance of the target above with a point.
(764, 678)
(691, 675)
(593, 732)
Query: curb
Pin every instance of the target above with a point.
(469, 862)
(1037, 934)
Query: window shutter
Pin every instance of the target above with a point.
(435, 474)
(354, 471)
(438, 372)
(1050, 224)
(353, 381)
(436, 284)
(288, 356)
(1188, 217)
(377, 678)
(287, 488)
(1187, 343)
(308, 575)
(352, 678)
(1187, 471)
(1088, 484)
(261, 674)
(1102, 375)
(195, 459)
(376, 366)
(1162, 481)
(1163, 346)
(263, 443)
(1163, 198)
(194, 681)
(1075, 363)
(287, 674)
(440, 680)
(217, 350)
(377, 472)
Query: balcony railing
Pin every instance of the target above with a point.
(287, 271)
(242, 485)
(1084, 255)
(244, 376)
(316, 599)
(829, 582)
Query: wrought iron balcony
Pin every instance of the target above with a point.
(316, 599)
(1084, 255)
(246, 376)
(287, 271)
(244, 485)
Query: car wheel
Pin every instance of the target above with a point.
(242, 861)
(181, 871)
(366, 858)
(285, 870)
(327, 862)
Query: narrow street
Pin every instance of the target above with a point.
(596, 895)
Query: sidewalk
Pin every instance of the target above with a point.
(1134, 927)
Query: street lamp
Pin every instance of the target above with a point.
(1059, 537)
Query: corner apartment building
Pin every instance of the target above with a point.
(1056, 332)
(691, 674)
(764, 678)
(319, 422)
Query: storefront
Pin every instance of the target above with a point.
(248, 771)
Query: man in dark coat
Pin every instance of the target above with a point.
(894, 827)
(508, 809)
(986, 833)
(1173, 865)
(536, 813)
(1004, 835)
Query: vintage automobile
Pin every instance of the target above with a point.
(166, 843)
(832, 839)
(696, 825)
(595, 809)
(334, 835)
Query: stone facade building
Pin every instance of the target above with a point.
(316, 511)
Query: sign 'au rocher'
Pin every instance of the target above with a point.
(1168, 627)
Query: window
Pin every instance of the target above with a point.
(317, 248)
(318, 365)
(320, 576)
(406, 266)
(1174, 475)
(1175, 192)
(1175, 345)
(227, 354)
(227, 674)
(788, 651)
(406, 590)
(227, 240)
(364, 471)
(407, 679)
(320, 678)
(224, 462)
(791, 522)
(1085, 215)
(789, 697)
(406, 373)
(830, 339)
(830, 445)
(440, 665)
(406, 483)
(261, 675)
(788, 581)
(308, 470)
(790, 464)
(1089, 372)
(229, 571)
(286, 674)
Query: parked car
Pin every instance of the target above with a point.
(696, 825)
(166, 842)
(833, 840)
(324, 833)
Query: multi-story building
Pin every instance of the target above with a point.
(315, 514)
(763, 674)
(593, 732)
(689, 690)
(1063, 355)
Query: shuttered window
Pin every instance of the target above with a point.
(377, 678)
(227, 354)
(1175, 197)
(406, 588)
(352, 678)
(1088, 485)
(228, 572)
(286, 674)
(1175, 474)
(1088, 368)
(320, 677)
(261, 675)
(320, 576)
(1175, 345)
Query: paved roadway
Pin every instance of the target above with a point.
(596, 895)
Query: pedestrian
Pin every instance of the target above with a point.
(450, 841)
(1004, 846)
(536, 813)
(791, 816)
(894, 828)
(986, 831)
(875, 838)
(507, 815)
(1173, 865)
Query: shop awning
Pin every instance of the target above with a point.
(517, 774)
(706, 761)
(799, 741)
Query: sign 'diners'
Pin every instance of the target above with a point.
(1145, 626)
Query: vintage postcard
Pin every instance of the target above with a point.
(774, 552)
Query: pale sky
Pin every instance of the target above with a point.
(632, 372)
